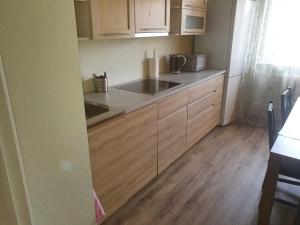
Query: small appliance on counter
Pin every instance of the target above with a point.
(195, 62)
(101, 84)
(177, 61)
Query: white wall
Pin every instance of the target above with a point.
(125, 60)
(7, 212)
(12, 189)
(39, 50)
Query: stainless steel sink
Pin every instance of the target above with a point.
(92, 110)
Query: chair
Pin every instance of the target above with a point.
(271, 125)
(288, 168)
(286, 104)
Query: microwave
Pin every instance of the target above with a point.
(193, 21)
(188, 22)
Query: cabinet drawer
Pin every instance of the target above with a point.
(201, 90)
(171, 138)
(199, 106)
(200, 125)
(172, 104)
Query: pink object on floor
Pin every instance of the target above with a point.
(98, 208)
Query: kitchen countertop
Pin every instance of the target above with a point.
(122, 101)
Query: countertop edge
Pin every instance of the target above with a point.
(117, 111)
(172, 92)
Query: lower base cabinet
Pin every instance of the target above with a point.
(106, 143)
(171, 138)
(204, 113)
(200, 125)
(123, 155)
(141, 137)
(127, 152)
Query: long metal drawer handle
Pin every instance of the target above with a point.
(153, 28)
(110, 34)
(192, 6)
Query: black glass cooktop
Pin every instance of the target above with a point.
(148, 86)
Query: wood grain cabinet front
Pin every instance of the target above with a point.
(200, 90)
(172, 104)
(109, 160)
(171, 138)
(141, 142)
(127, 152)
(112, 18)
(218, 100)
(204, 110)
(200, 125)
(152, 16)
(194, 4)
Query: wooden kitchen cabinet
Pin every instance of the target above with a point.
(199, 106)
(141, 142)
(83, 19)
(109, 162)
(128, 151)
(172, 103)
(194, 4)
(152, 16)
(171, 138)
(200, 90)
(200, 125)
(112, 18)
(204, 109)
(108, 19)
(218, 100)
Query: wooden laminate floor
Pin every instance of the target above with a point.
(217, 182)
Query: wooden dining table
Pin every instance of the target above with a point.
(286, 146)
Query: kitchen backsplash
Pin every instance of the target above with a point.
(125, 59)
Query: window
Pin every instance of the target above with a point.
(280, 39)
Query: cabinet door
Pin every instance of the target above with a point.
(152, 16)
(112, 18)
(141, 132)
(171, 138)
(194, 4)
(109, 163)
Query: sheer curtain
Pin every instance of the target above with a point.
(273, 59)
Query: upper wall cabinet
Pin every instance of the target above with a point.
(188, 17)
(152, 16)
(112, 18)
(102, 19)
(194, 4)
(83, 19)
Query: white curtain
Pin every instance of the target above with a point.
(273, 59)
